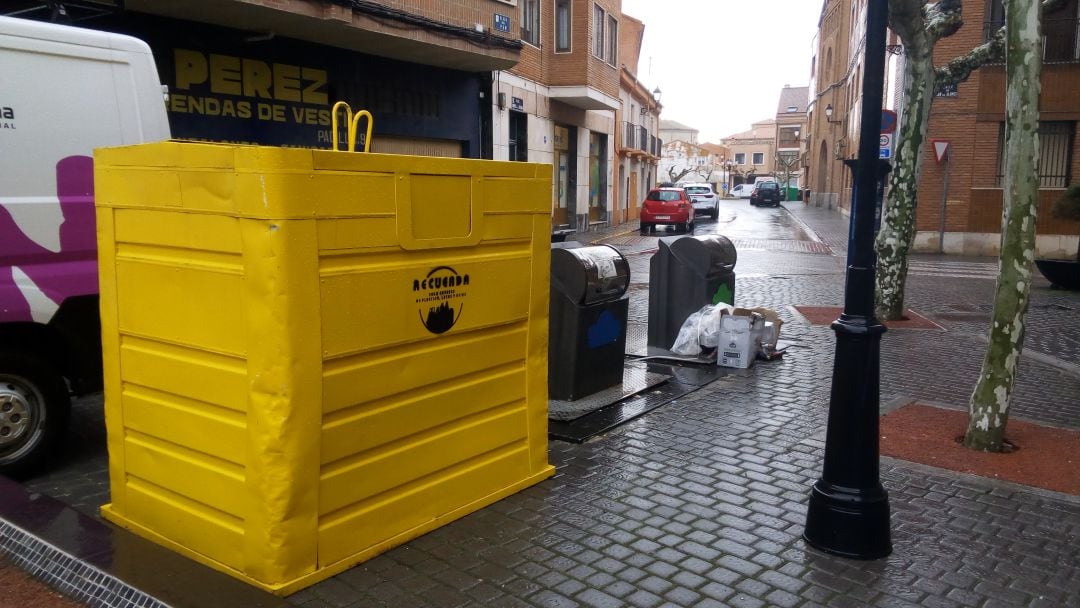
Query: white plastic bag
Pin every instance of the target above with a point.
(709, 324)
(686, 343)
(701, 328)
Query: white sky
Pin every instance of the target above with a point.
(720, 64)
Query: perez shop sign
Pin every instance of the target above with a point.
(224, 85)
(237, 98)
(243, 88)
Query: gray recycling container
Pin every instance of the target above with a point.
(587, 325)
(686, 273)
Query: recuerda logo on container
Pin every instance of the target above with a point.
(440, 298)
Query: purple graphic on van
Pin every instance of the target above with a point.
(49, 277)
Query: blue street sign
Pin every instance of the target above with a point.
(502, 23)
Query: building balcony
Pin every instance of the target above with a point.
(635, 139)
(584, 97)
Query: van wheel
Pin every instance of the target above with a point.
(34, 409)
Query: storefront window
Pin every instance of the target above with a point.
(560, 215)
(597, 177)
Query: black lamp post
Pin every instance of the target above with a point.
(848, 514)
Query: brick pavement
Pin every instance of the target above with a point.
(830, 226)
(702, 502)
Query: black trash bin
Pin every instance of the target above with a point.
(687, 273)
(587, 328)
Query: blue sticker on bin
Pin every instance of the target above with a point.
(605, 331)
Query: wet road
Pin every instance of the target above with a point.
(740, 220)
(750, 228)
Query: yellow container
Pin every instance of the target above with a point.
(314, 356)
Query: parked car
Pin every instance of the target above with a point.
(669, 206)
(703, 198)
(742, 190)
(765, 193)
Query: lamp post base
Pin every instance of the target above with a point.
(848, 522)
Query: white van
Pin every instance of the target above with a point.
(65, 92)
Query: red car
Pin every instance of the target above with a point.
(667, 206)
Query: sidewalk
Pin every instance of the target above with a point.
(702, 502)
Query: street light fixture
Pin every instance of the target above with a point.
(656, 94)
(828, 114)
(848, 512)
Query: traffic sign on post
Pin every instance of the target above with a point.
(941, 149)
(885, 146)
(888, 121)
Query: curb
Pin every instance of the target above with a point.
(104, 566)
(67, 574)
(813, 235)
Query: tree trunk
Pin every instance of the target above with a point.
(898, 216)
(989, 406)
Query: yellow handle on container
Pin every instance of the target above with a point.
(353, 122)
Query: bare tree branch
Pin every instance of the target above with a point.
(943, 18)
(960, 68)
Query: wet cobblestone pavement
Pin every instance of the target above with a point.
(702, 501)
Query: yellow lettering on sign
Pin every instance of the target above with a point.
(191, 68)
(257, 79)
(177, 103)
(316, 80)
(225, 74)
(239, 76)
(286, 82)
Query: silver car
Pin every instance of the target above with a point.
(703, 198)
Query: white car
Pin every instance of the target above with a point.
(703, 198)
(742, 190)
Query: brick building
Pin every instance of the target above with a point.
(832, 110)
(637, 142)
(558, 104)
(753, 152)
(791, 120)
(971, 117)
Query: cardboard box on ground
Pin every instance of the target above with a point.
(739, 335)
(747, 334)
